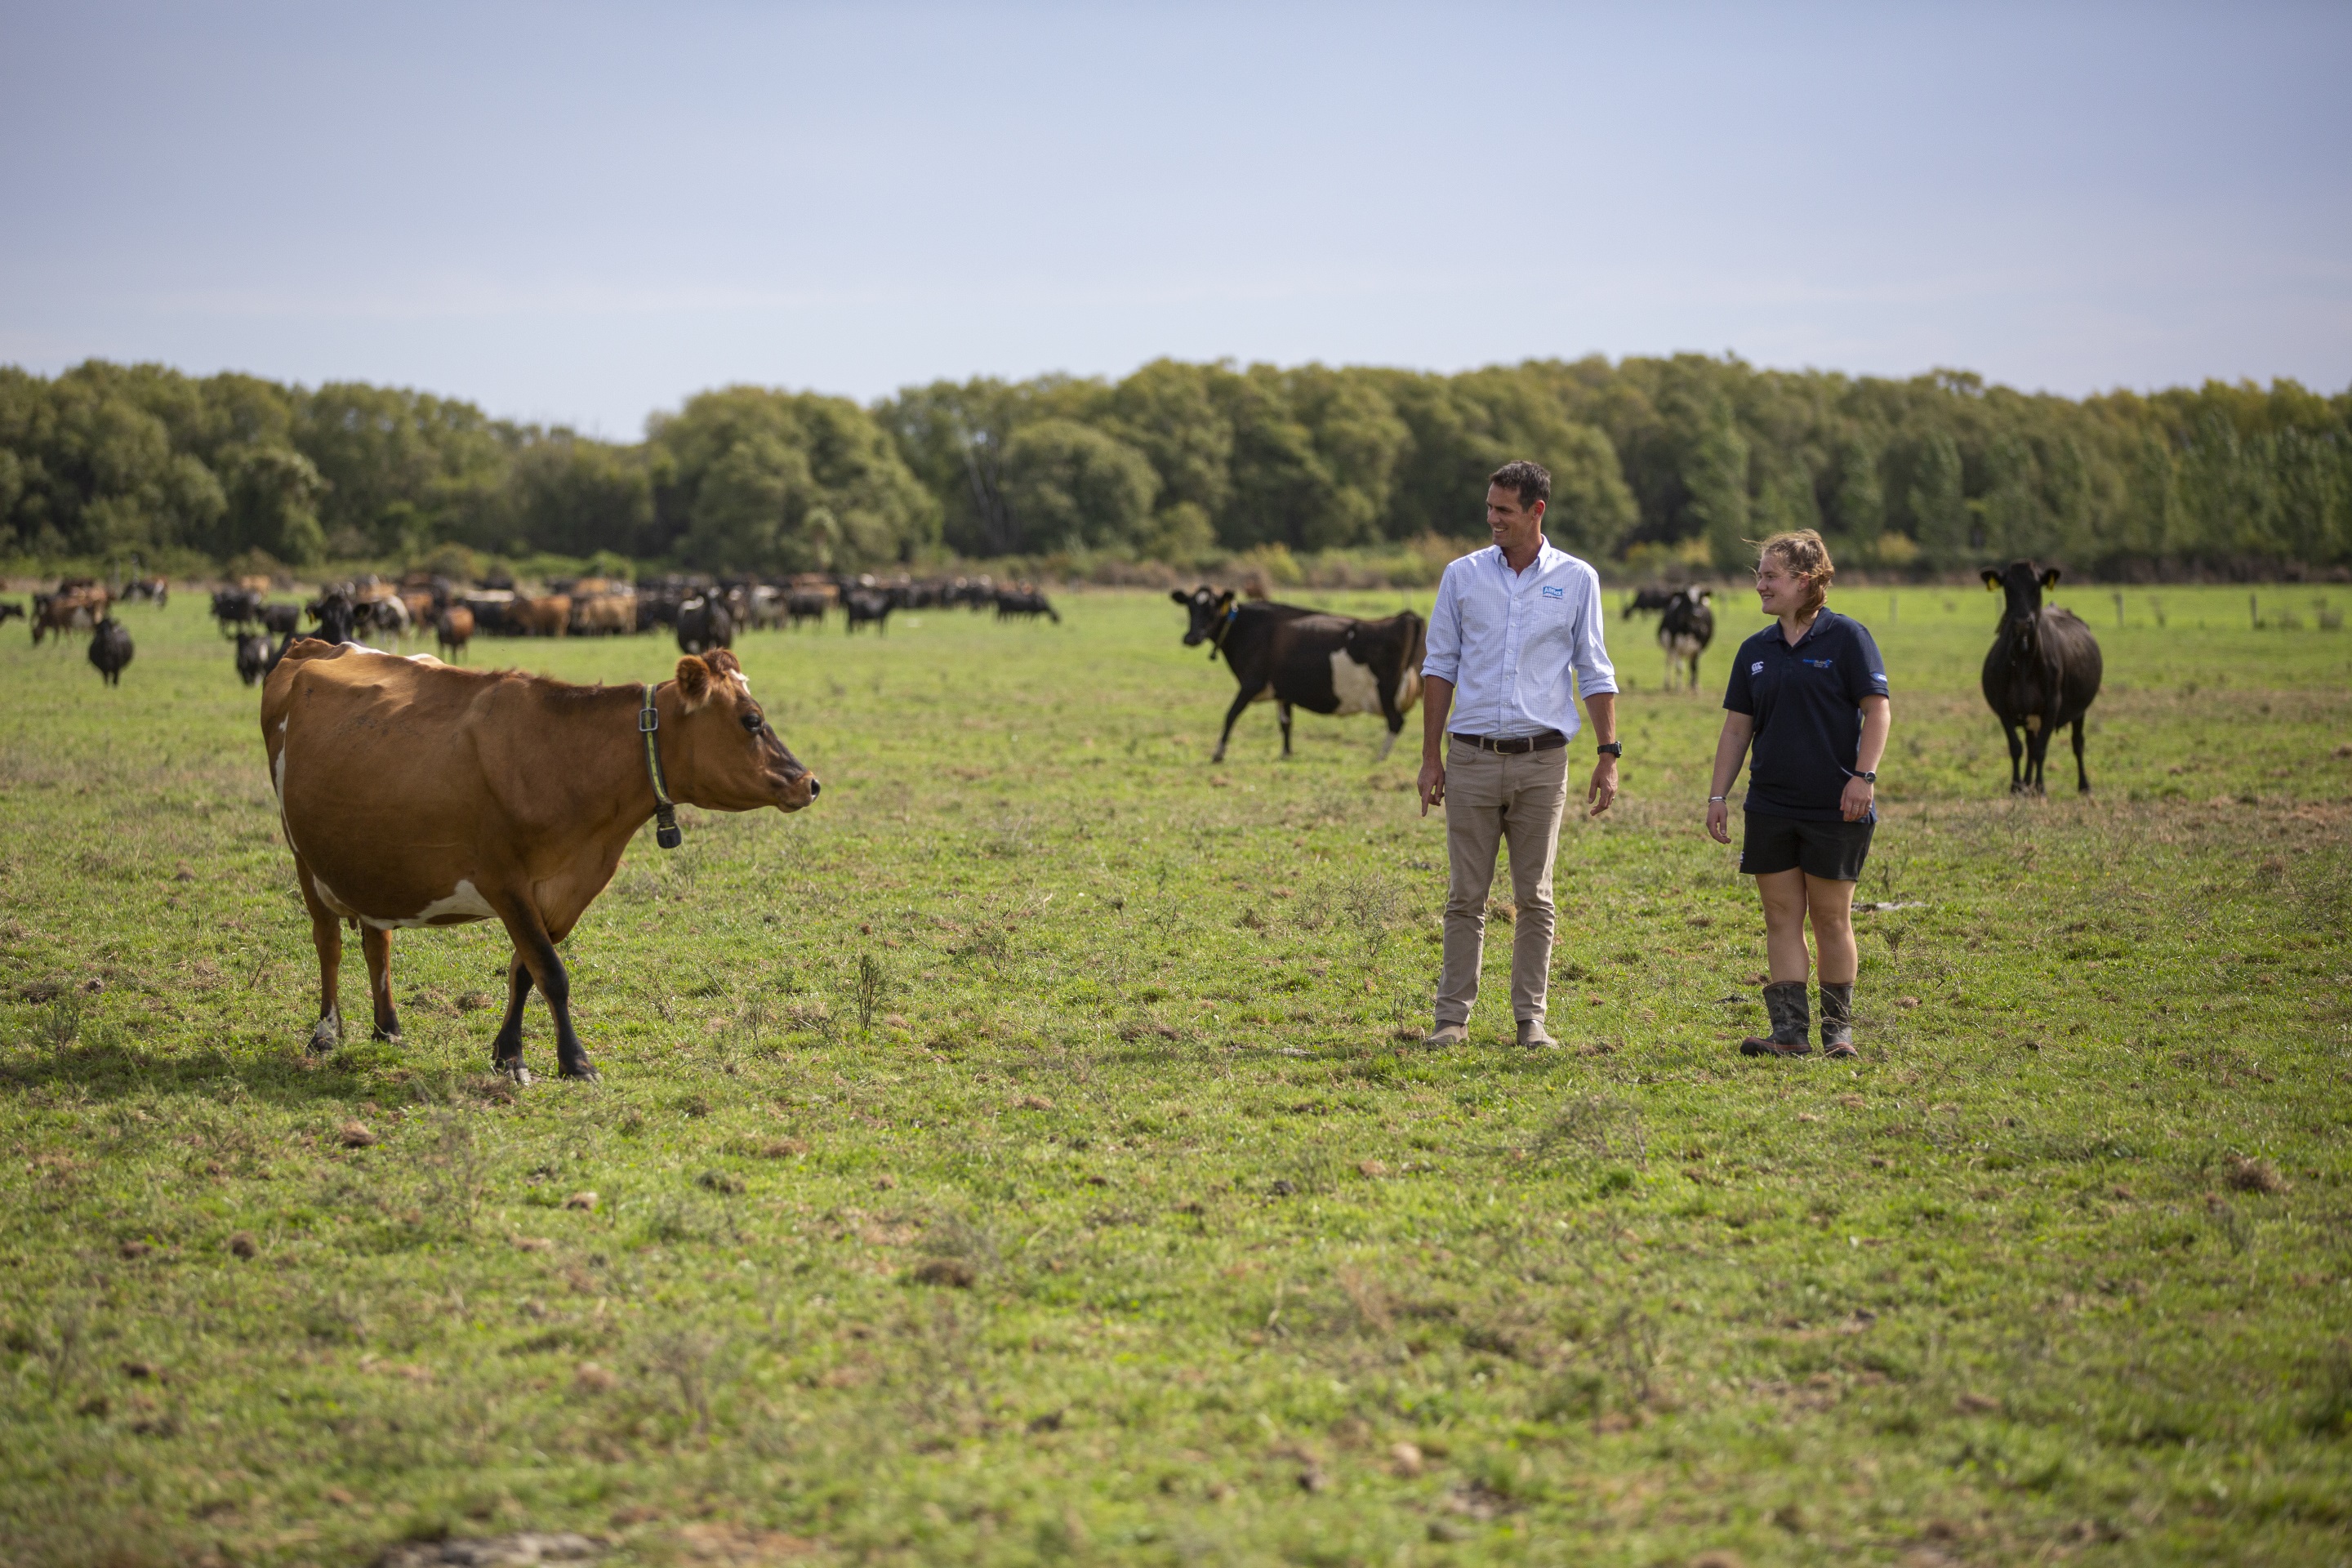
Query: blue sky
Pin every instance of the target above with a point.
(582, 214)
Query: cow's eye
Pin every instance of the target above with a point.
(752, 722)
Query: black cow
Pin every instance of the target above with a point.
(704, 624)
(282, 620)
(1304, 659)
(235, 609)
(10, 610)
(2042, 672)
(1026, 605)
(1685, 625)
(253, 660)
(805, 604)
(867, 606)
(109, 649)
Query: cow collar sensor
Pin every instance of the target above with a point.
(666, 831)
(1217, 643)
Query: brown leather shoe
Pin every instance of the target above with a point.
(1534, 1035)
(1447, 1034)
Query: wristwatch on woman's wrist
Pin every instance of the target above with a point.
(1869, 778)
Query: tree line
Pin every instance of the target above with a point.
(1654, 459)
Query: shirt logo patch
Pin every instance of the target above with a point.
(1756, 668)
(1816, 663)
(1555, 593)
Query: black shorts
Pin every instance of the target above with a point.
(1833, 851)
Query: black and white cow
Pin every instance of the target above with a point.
(253, 660)
(1685, 625)
(1647, 602)
(1298, 658)
(704, 624)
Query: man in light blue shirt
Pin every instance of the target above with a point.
(1514, 640)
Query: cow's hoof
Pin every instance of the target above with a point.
(325, 1037)
(386, 1037)
(584, 1069)
(516, 1071)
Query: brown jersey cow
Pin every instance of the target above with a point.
(415, 793)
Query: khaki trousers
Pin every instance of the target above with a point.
(1490, 799)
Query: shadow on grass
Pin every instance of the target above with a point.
(112, 1071)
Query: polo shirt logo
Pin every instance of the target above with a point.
(1817, 663)
(1756, 668)
(1555, 593)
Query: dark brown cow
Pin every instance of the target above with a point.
(454, 630)
(1300, 657)
(415, 793)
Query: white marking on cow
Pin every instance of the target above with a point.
(1353, 685)
(742, 681)
(466, 903)
(423, 658)
(327, 897)
(1408, 689)
(277, 769)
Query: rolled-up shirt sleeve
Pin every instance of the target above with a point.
(1442, 658)
(1595, 675)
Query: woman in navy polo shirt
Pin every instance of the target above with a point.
(1809, 692)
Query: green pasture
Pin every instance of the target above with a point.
(1026, 1155)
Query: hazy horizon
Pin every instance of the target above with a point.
(583, 215)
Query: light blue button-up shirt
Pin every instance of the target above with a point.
(1509, 639)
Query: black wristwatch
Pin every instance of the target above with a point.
(1613, 748)
(1869, 778)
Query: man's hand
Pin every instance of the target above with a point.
(1604, 784)
(1719, 821)
(1855, 803)
(1433, 783)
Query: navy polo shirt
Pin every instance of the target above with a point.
(1807, 704)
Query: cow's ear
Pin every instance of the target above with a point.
(722, 661)
(693, 682)
(2049, 578)
(1180, 596)
(1993, 580)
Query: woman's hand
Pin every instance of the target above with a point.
(1719, 821)
(1856, 804)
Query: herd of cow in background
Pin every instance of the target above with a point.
(2041, 676)
(703, 613)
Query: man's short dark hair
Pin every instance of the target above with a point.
(1532, 480)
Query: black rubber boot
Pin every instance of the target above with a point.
(1837, 1020)
(1792, 1024)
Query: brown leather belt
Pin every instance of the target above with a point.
(1513, 745)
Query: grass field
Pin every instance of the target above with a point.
(1022, 1155)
